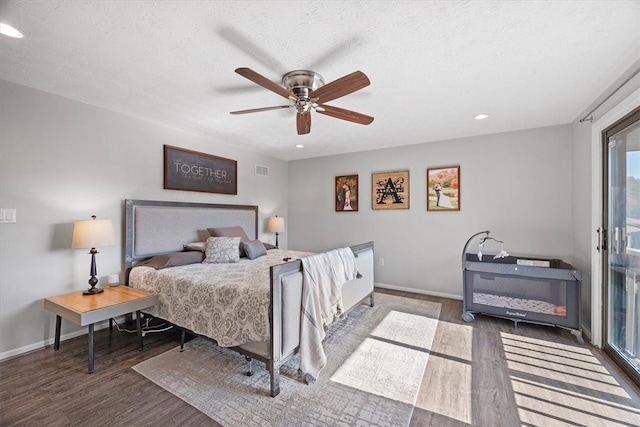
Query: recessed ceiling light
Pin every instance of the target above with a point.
(8, 30)
(299, 146)
(481, 116)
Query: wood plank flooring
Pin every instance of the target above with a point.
(484, 373)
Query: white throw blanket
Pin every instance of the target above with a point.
(322, 278)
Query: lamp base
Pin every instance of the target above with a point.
(93, 281)
(92, 291)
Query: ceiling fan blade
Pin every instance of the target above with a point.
(257, 110)
(265, 83)
(341, 113)
(341, 87)
(303, 123)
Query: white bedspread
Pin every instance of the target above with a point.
(226, 302)
(322, 279)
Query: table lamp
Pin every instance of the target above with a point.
(90, 234)
(276, 225)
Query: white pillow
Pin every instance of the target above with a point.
(219, 250)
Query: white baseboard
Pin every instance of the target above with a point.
(105, 324)
(44, 343)
(417, 291)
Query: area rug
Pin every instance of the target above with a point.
(376, 360)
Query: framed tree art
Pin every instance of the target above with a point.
(443, 188)
(390, 190)
(346, 198)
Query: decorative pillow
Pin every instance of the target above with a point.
(268, 246)
(219, 250)
(254, 249)
(172, 260)
(194, 246)
(236, 231)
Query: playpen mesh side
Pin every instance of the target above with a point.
(539, 294)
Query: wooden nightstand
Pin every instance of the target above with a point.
(86, 310)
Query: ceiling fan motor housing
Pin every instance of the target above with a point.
(302, 82)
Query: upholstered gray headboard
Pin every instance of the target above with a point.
(158, 227)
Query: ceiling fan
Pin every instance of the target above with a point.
(308, 92)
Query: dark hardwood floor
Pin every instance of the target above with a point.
(484, 373)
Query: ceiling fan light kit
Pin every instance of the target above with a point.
(308, 91)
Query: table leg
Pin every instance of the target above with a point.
(139, 330)
(56, 342)
(91, 348)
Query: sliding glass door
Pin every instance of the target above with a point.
(621, 254)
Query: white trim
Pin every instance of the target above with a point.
(613, 115)
(417, 291)
(45, 343)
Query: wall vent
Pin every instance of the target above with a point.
(262, 170)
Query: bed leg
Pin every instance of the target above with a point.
(182, 334)
(250, 371)
(274, 371)
(371, 300)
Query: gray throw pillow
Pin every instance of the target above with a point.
(172, 260)
(254, 249)
(194, 246)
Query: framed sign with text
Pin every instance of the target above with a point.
(193, 171)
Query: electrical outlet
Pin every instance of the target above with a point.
(381, 262)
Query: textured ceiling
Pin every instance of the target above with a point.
(433, 65)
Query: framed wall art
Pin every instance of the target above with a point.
(443, 188)
(193, 171)
(346, 197)
(390, 190)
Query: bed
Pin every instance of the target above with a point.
(160, 230)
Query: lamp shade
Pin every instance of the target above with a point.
(93, 233)
(275, 224)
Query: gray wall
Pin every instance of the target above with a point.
(61, 161)
(582, 199)
(516, 184)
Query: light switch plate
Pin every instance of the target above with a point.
(7, 216)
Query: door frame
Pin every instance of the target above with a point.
(631, 117)
(616, 113)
